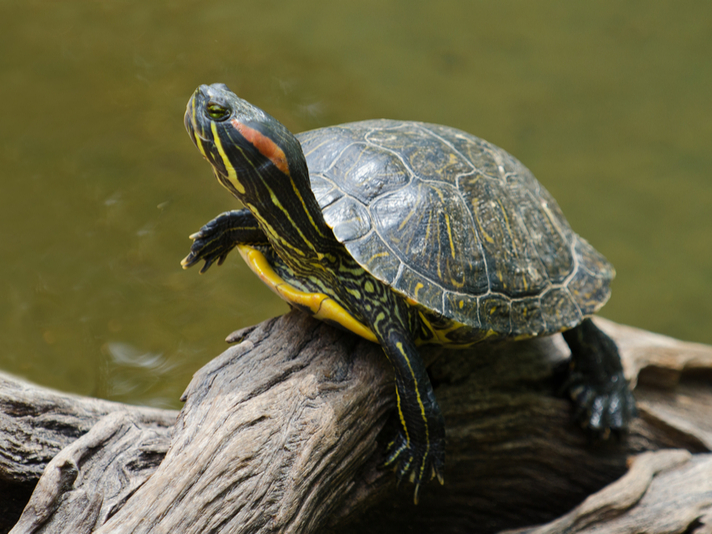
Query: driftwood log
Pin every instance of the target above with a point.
(285, 431)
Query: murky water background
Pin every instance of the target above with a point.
(608, 104)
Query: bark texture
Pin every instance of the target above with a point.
(285, 432)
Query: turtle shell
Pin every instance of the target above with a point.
(455, 224)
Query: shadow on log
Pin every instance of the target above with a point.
(285, 432)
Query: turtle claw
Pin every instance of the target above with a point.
(413, 460)
(602, 409)
(436, 473)
(212, 243)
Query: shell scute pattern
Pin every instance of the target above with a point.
(513, 266)
(427, 156)
(441, 241)
(323, 149)
(378, 260)
(460, 305)
(456, 224)
(419, 288)
(527, 317)
(484, 156)
(495, 313)
(325, 191)
(352, 220)
(363, 173)
(546, 229)
(589, 285)
(559, 310)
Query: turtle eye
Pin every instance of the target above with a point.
(217, 112)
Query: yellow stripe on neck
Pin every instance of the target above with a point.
(231, 174)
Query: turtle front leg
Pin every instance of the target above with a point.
(418, 451)
(214, 241)
(596, 384)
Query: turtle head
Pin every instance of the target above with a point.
(260, 162)
(246, 147)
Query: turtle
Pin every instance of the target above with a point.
(409, 233)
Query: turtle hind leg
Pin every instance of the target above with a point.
(596, 384)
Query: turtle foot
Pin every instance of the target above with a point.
(416, 462)
(212, 243)
(602, 409)
(603, 401)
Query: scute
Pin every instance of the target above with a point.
(527, 317)
(325, 191)
(365, 172)
(513, 265)
(376, 258)
(590, 284)
(415, 225)
(419, 288)
(427, 156)
(460, 307)
(350, 218)
(322, 150)
(559, 310)
(456, 224)
(548, 231)
(496, 314)
(484, 156)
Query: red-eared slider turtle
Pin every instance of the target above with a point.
(408, 233)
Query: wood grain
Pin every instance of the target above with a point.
(285, 432)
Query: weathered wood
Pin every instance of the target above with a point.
(37, 423)
(664, 491)
(283, 433)
(275, 452)
(89, 480)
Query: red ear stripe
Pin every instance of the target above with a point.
(264, 144)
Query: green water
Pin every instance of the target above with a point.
(608, 103)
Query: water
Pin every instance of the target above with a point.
(607, 103)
